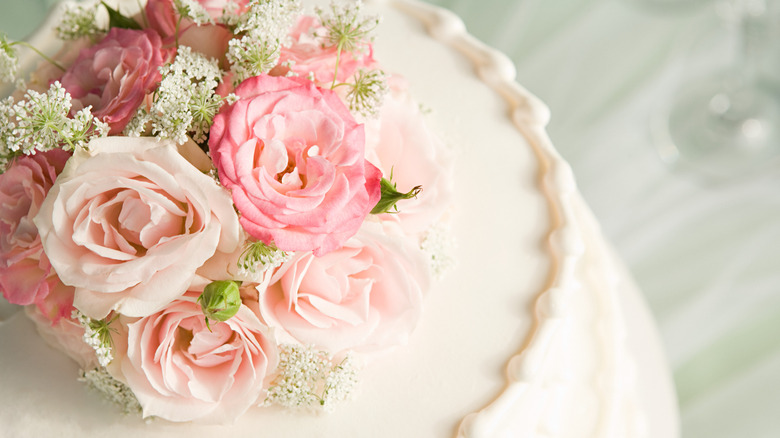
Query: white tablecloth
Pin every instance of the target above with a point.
(705, 254)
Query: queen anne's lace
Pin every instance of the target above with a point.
(308, 377)
(185, 102)
(97, 335)
(263, 29)
(439, 245)
(78, 20)
(41, 122)
(9, 62)
(194, 11)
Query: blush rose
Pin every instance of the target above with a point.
(366, 296)
(181, 370)
(26, 276)
(308, 55)
(115, 75)
(129, 225)
(401, 143)
(293, 158)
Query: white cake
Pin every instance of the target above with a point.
(538, 332)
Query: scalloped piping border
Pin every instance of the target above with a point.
(566, 244)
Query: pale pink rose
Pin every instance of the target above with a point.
(115, 75)
(400, 142)
(181, 371)
(293, 158)
(366, 296)
(26, 276)
(208, 39)
(129, 225)
(65, 335)
(309, 54)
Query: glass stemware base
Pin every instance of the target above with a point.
(721, 128)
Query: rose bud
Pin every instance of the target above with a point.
(220, 300)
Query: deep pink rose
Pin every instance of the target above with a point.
(309, 55)
(129, 225)
(293, 158)
(26, 276)
(400, 142)
(180, 370)
(209, 39)
(366, 296)
(115, 75)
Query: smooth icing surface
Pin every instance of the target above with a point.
(536, 333)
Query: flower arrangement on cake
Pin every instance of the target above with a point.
(212, 205)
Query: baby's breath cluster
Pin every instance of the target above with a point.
(78, 20)
(185, 101)
(97, 334)
(112, 389)
(439, 245)
(194, 11)
(347, 28)
(261, 31)
(42, 121)
(258, 257)
(308, 377)
(9, 61)
(350, 31)
(367, 92)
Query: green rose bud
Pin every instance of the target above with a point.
(220, 300)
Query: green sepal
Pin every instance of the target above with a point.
(116, 19)
(390, 196)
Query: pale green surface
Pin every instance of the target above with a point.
(20, 18)
(706, 256)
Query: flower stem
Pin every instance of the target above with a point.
(338, 61)
(41, 54)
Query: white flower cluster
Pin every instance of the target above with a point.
(259, 257)
(263, 29)
(97, 335)
(113, 390)
(9, 62)
(349, 31)
(346, 28)
(78, 20)
(439, 244)
(41, 122)
(308, 377)
(185, 101)
(194, 11)
(368, 92)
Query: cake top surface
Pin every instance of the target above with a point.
(500, 331)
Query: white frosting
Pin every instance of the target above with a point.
(526, 337)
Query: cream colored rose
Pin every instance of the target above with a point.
(128, 223)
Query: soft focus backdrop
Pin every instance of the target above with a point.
(706, 252)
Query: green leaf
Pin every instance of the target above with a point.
(116, 19)
(390, 196)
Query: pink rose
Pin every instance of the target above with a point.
(293, 158)
(366, 296)
(115, 75)
(309, 54)
(208, 39)
(181, 371)
(400, 142)
(26, 276)
(129, 225)
(65, 335)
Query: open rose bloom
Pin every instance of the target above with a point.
(195, 221)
